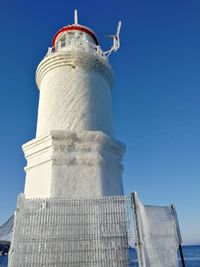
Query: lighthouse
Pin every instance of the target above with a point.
(73, 211)
(74, 153)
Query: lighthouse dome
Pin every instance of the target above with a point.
(75, 32)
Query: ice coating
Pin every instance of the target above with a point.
(71, 232)
(75, 93)
(73, 165)
(72, 212)
(74, 153)
(158, 235)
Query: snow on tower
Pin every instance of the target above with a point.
(74, 153)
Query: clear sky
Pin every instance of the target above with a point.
(155, 99)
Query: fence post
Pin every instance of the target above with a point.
(139, 241)
(179, 235)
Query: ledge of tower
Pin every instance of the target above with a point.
(74, 58)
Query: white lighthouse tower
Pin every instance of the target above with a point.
(74, 153)
(73, 212)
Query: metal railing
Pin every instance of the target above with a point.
(83, 45)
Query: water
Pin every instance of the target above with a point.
(3, 261)
(191, 255)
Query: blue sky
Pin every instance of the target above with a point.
(155, 99)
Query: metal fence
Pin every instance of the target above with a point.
(77, 233)
(6, 230)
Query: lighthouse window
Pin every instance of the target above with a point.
(68, 37)
(62, 39)
(79, 36)
(70, 34)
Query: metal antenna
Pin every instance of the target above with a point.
(75, 16)
(116, 41)
(118, 28)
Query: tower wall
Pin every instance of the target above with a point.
(74, 153)
(75, 93)
(73, 165)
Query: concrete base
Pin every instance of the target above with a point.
(73, 165)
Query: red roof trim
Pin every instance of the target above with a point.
(75, 27)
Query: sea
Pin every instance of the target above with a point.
(191, 256)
